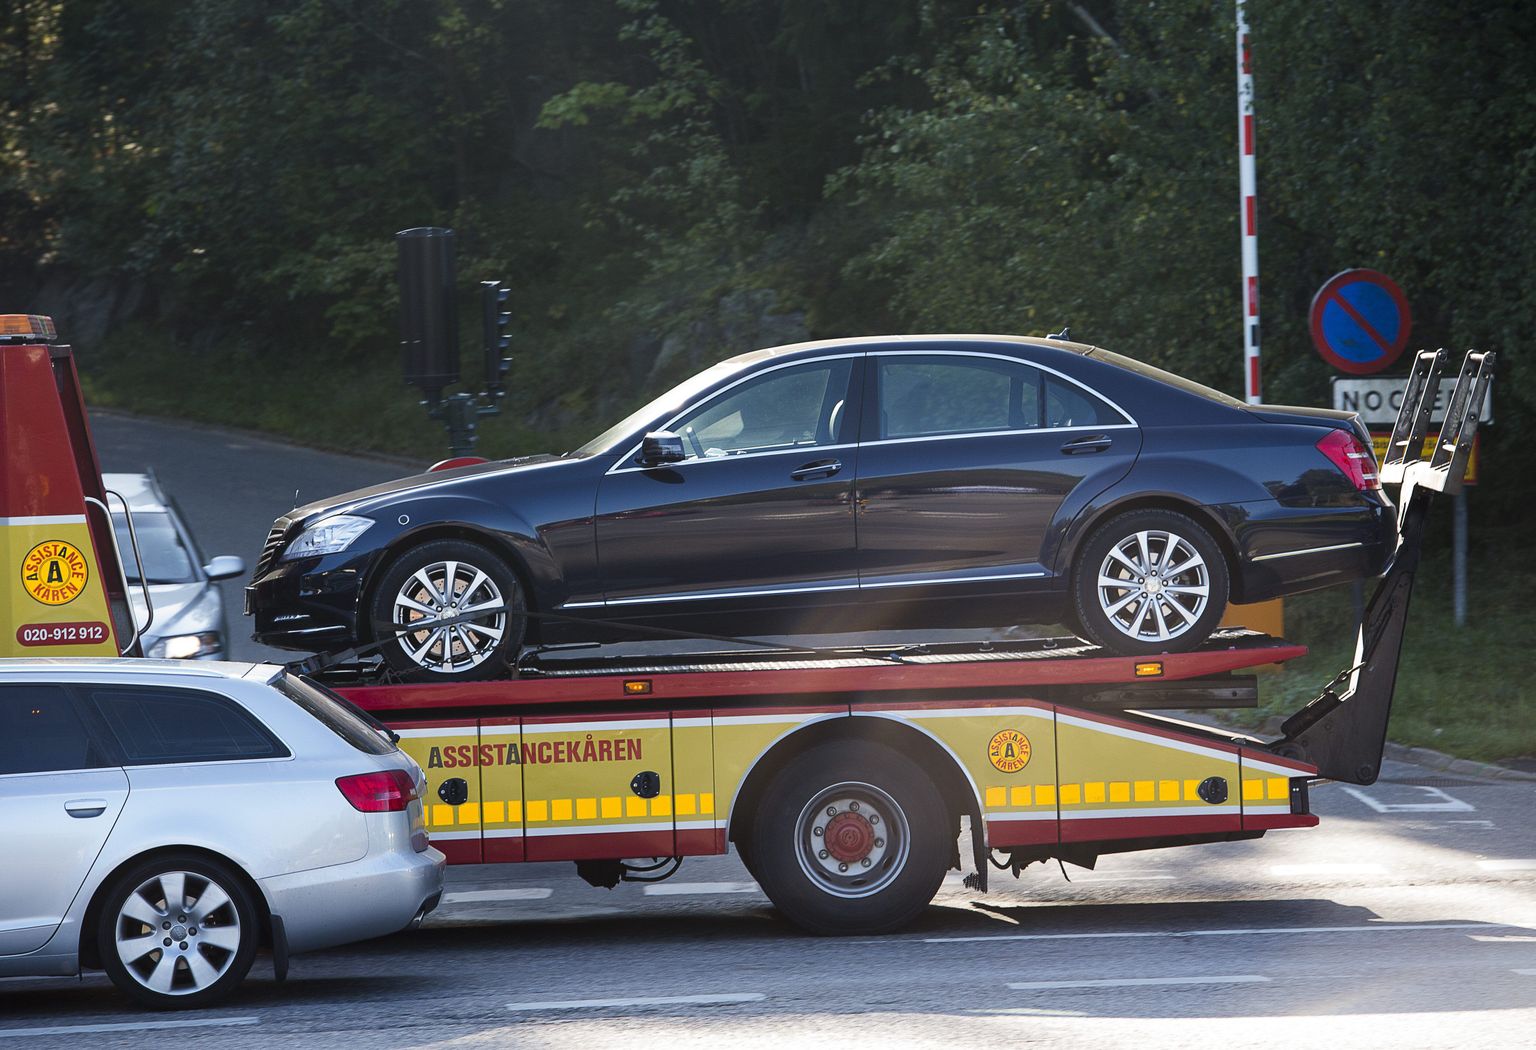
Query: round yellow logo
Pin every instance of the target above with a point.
(54, 572)
(1009, 751)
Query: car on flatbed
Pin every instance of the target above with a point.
(901, 481)
(165, 820)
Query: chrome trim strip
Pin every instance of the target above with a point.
(695, 461)
(959, 579)
(805, 589)
(993, 433)
(1307, 550)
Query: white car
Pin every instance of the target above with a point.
(166, 820)
(188, 621)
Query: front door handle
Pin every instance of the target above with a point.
(821, 468)
(1096, 443)
(85, 807)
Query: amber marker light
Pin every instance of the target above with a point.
(1151, 669)
(637, 686)
(27, 326)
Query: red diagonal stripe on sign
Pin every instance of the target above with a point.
(1360, 320)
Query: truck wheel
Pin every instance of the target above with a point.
(442, 580)
(177, 932)
(1150, 581)
(851, 838)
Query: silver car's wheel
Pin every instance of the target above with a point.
(444, 590)
(1153, 586)
(852, 840)
(178, 932)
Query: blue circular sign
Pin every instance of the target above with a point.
(1360, 321)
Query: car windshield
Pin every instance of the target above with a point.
(674, 400)
(166, 558)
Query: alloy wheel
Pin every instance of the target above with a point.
(1153, 586)
(450, 590)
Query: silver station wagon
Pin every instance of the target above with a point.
(167, 820)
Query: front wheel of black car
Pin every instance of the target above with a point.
(1149, 581)
(456, 610)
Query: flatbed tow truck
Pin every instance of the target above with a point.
(843, 777)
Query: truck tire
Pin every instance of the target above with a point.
(178, 931)
(441, 579)
(1128, 601)
(851, 838)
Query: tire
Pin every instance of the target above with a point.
(1124, 599)
(203, 901)
(891, 830)
(415, 586)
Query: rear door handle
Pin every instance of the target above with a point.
(821, 468)
(85, 807)
(1096, 443)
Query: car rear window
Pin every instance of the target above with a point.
(336, 714)
(156, 725)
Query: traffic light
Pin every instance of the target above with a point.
(429, 322)
(493, 295)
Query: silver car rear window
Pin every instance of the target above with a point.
(340, 717)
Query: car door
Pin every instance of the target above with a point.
(61, 797)
(761, 505)
(966, 461)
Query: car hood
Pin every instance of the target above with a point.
(373, 495)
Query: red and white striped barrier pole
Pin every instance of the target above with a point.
(1249, 213)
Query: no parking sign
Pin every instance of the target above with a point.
(1360, 321)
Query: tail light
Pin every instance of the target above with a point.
(1353, 457)
(389, 791)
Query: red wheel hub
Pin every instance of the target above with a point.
(849, 837)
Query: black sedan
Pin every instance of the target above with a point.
(911, 481)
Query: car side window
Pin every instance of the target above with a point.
(41, 733)
(929, 396)
(154, 725)
(794, 407)
(1072, 406)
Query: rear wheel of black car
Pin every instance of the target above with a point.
(1149, 581)
(457, 610)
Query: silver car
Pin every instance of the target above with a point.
(188, 621)
(165, 820)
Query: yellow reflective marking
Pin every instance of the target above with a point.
(538, 811)
(1167, 790)
(515, 811)
(426, 814)
(442, 814)
(706, 802)
(1093, 793)
(634, 807)
(560, 809)
(469, 813)
(1120, 791)
(1192, 791)
(1045, 794)
(1020, 796)
(1253, 790)
(586, 809)
(495, 812)
(997, 796)
(1071, 794)
(1144, 790)
(612, 807)
(1279, 787)
(661, 806)
(687, 805)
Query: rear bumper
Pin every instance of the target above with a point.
(1285, 551)
(381, 894)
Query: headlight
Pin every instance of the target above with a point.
(186, 646)
(327, 537)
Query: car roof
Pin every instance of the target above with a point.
(935, 340)
(142, 491)
(129, 667)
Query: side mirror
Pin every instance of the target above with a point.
(225, 567)
(661, 446)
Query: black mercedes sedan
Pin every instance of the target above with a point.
(900, 481)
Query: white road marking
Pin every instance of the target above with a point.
(1510, 864)
(686, 889)
(1480, 825)
(656, 1000)
(1289, 930)
(1293, 870)
(1126, 878)
(1526, 973)
(1137, 982)
(1446, 803)
(525, 893)
(129, 1026)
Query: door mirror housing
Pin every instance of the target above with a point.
(225, 567)
(661, 446)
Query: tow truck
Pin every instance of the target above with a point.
(842, 777)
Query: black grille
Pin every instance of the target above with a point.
(273, 546)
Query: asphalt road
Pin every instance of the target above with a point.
(1407, 920)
